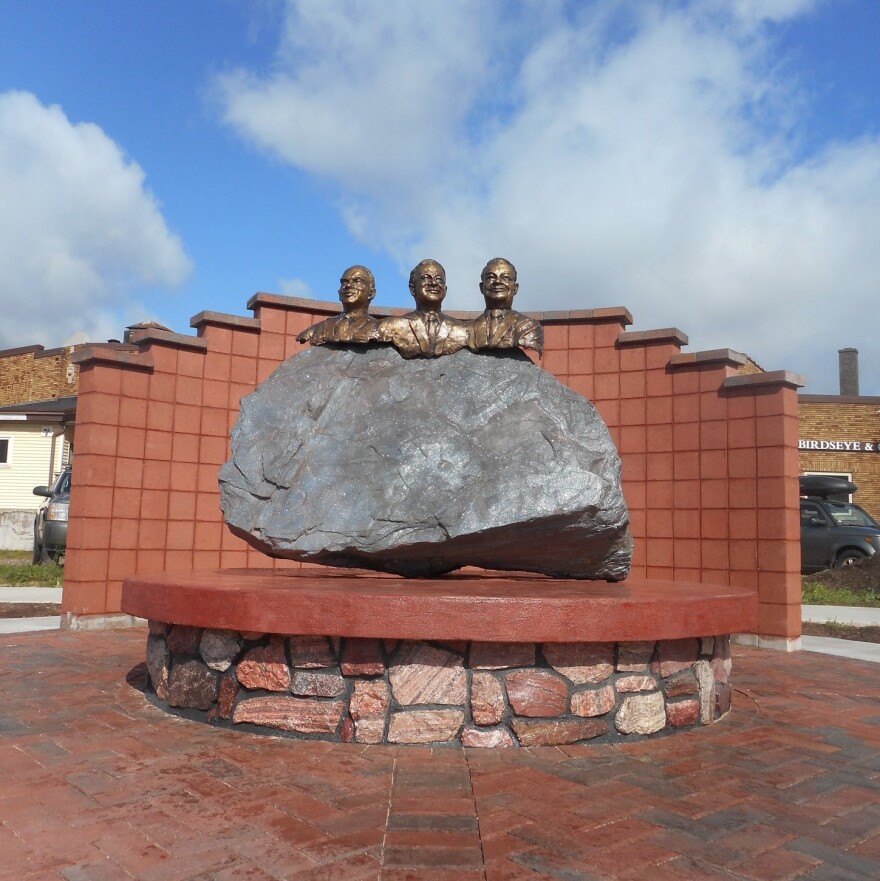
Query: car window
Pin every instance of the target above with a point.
(809, 510)
(845, 514)
(63, 483)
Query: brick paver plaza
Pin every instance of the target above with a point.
(97, 784)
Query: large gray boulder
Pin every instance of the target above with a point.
(357, 457)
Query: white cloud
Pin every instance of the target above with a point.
(642, 155)
(79, 232)
(294, 287)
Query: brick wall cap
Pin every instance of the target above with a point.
(21, 350)
(167, 337)
(771, 377)
(709, 357)
(870, 400)
(660, 335)
(58, 350)
(602, 315)
(224, 319)
(126, 357)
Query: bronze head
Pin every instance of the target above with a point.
(498, 283)
(357, 287)
(427, 282)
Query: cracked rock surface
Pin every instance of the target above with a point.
(357, 457)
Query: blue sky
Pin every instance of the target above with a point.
(711, 165)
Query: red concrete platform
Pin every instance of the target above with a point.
(487, 608)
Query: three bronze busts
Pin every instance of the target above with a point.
(427, 331)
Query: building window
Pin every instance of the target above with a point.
(5, 450)
(837, 497)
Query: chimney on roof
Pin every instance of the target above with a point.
(848, 362)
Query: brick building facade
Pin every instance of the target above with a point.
(709, 451)
(830, 423)
(34, 373)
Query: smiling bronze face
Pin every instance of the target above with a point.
(427, 282)
(498, 283)
(356, 289)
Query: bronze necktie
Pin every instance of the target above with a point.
(432, 319)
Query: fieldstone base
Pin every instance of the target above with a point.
(471, 693)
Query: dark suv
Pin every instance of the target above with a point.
(50, 523)
(833, 533)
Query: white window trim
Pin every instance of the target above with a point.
(8, 462)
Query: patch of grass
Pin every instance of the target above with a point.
(40, 575)
(15, 556)
(818, 594)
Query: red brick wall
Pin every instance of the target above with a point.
(709, 455)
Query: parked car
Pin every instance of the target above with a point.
(833, 532)
(50, 522)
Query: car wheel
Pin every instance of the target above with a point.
(847, 558)
(38, 553)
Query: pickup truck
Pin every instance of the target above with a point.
(833, 533)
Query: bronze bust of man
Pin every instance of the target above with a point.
(426, 331)
(354, 324)
(500, 326)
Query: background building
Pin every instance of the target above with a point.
(840, 434)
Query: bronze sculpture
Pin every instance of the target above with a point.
(426, 331)
(354, 324)
(500, 326)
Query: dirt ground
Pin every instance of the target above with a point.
(842, 631)
(862, 576)
(28, 610)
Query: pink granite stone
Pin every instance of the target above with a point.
(183, 640)
(489, 738)
(721, 669)
(158, 660)
(219, 648)
(265, 667)
(681, 713)
(721, 649)
(370, 699)
(311, 651)
(459, 646)
(680, 684)
(675, 655)
(226, 696)
(425, 726)
(581, 662)
(641, 714)
(536, 693)
(636, 682)
(192, 685)
(722, 698)
(369, 730)
(555, 732)
(425, 674)
(317, 684)
(501, 655)
(593, 701)
(634, 657)
(362, 657)
(346, 730)
(487, 699)
(302, 715)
